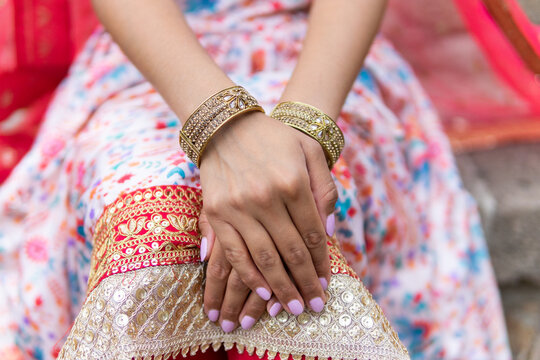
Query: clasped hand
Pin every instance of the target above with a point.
(268, 200)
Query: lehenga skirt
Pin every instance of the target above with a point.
(99, 240)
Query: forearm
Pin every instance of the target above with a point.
(339, 36)
(157, 39)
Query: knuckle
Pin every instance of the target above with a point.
(296, 256)
(265, 259)
(309, 287)
(291, 185)
(211, 301)
(236, 284)
(250, 278)
(230, 311)
(330, 194)
(234, 255)
(314, 239)
(217, 270)
(236, 200)
(263, 197)
(212, 207)
(285, 291)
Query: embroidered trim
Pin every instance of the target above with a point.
(157, 313)
(150, 227)
(137, 309)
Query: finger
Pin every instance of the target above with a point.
(273, 307)
(305, 215)
(321, 182)
(235, 297)
(295, 252)
(217, 274)
(208, 235)
(238, 255)
(323, 188)
(263, 253)
(252, 311)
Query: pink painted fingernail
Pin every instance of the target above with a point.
(296, 307)
(263, 293)
(331, 224)
(247, 322)
(227, 326)
(275, 309)
(213, 315)
(204, 247)
(316, 304)
(324, 283)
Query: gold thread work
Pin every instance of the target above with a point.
(156, 312)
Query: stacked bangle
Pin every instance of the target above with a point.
(211, 115)
(314, 123)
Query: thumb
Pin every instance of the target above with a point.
(323, 187)
(208, 236)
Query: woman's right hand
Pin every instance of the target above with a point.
(267, 191)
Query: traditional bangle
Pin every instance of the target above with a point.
(211, 115)
(314, 123)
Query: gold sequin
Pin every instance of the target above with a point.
(181, 325)
(156, 311)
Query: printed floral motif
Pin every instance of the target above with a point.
(404, 222)
(36, 249)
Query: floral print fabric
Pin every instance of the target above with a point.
(405, 223)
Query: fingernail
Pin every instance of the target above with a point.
(330, 224)
(316, 304)
(213, 315)
(275, 309)
(247, 322)
(324, 283)
(204, 246)
(296, 307)
(263, 293)
(227, 326)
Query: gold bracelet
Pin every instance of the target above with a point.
(211, 115)
(314, 123)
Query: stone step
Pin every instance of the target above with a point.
(522, 311)
(506, 184)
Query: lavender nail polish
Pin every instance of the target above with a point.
(331, 224)
(316, 304)
(213, 315)
(324, 283)
(227, 326)
(247, 322)
(275, 309)
(263, 293)
(204, 247)
(296, 307)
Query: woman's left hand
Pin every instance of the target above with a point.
(239, 302)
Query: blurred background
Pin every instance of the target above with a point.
(482, 73)
(486, 86)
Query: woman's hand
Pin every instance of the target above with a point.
(266, 191)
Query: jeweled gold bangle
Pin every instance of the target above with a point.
(314, 123)
(211, 115)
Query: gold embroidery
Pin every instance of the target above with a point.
(145, 311)
(155, 226)
(158, 312)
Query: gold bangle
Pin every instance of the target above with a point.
(314, 123)
(210, 116)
